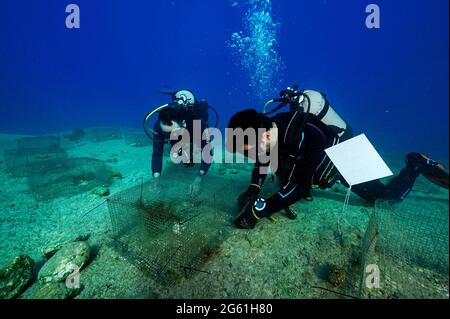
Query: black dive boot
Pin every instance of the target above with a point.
(400, 186)
(429, 168)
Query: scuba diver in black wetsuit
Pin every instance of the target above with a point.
(172, 118)
(302, 136)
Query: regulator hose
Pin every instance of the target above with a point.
(148, 131)
(217, 115)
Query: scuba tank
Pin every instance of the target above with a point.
(310, 102)
(320, 107)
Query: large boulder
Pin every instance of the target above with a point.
(52, 248)
(56, 290)
(70, 258)
(15, 277)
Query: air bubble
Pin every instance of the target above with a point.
(255, 49)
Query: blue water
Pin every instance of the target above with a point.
(391, 83)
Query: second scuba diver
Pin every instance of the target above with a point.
(302, 135)
(179, 114)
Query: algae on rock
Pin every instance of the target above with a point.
(15, 277)
(69, 258)
(56, 290)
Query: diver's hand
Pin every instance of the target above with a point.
(194, 188)
(252, 213)
(245, 220)
(248, 197)
(155, 185)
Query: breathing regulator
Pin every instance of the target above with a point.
(288, 96)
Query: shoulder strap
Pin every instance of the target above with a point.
(293, 136)
(325, 109)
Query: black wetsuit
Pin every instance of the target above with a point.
(303, 163)
(198, 112)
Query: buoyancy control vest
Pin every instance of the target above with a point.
(316, 109)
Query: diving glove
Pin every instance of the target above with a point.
(249, 196)
(251, 215)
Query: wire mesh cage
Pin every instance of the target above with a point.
(32, 150)
(407, 245)
(52, 179)
(392, 250)
(166, 238)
